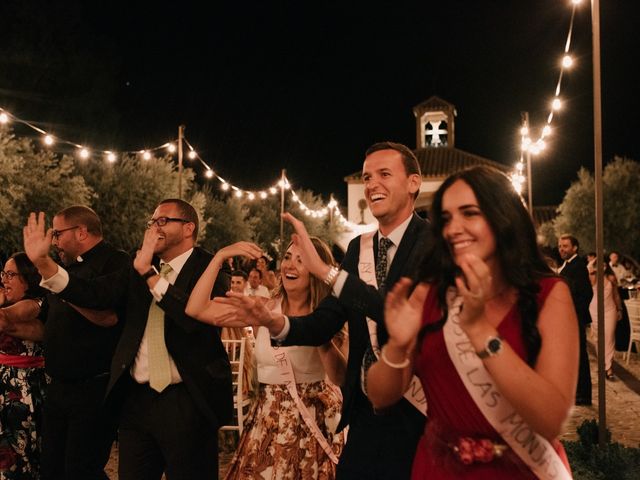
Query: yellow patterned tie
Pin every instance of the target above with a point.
(159, 365)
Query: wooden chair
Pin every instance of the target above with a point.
(633, 309)
(235, 351)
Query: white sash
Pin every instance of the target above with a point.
(289, 380)
(367, 272)
(533, 449)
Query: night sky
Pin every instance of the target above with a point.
(308, 86)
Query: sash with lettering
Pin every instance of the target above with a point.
(533, 449)
(367, 272)
(289, 380)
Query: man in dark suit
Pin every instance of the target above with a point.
(574, 270)
(176, 391)
(78, 428)
(380, 445)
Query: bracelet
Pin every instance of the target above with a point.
(404, 364)
(330, 279)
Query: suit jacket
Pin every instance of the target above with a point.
(195, 347)
(358, 301)
(577, 276)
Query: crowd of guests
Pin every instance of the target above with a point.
(441, 349)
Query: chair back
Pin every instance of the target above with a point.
(235, 351)
(633, 310)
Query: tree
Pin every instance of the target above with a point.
(32, 181)
(127, 192)
(621, 215)
(264, 219)
(225, 222)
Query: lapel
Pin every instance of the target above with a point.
(183, 280)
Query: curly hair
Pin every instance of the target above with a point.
(30, 274)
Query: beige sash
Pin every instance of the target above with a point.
(367, 272)
(289, 380)
(533, 449)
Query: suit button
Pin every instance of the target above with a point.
(123, 366)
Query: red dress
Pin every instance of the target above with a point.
(452, 412)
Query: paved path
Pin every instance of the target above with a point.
(622, 399)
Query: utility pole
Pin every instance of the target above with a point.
(282, 187)
(180, 137)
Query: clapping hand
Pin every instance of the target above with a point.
(37, 239)
(243, 311)
(475, 286)
(403, 312)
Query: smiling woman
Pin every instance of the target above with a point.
(500, 329)
(22, 378)
(290, 431)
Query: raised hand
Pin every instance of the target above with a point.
(308, 254)
(37, 239)
(144, 256)
(244, 249)
(403, 313)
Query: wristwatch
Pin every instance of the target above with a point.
(150, 273)
(493, 347)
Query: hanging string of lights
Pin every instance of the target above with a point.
(84, 153)
(527, 145)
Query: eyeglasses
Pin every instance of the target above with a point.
(56, 233)
(8, 275)
(162, 221)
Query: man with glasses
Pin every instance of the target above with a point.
(171, 369)
(78, 343)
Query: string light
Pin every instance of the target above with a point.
(537, 146)
(85, 153)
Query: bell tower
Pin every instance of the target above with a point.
(435, 120)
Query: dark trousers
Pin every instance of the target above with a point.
(380, 446)
(78, 430)
(583, 391)
(165, 432)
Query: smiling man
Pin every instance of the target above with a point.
(171, 369)
(380, 445)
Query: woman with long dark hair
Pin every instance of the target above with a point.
(22, 377)
(492, 334)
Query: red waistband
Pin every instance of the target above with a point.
(21, 361)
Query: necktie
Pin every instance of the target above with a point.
(381, 275)
(159, 366)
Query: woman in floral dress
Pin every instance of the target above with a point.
(22, 377)
(277, 443)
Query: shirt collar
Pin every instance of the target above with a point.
(178, 262)
(396, 235)
(571, 259)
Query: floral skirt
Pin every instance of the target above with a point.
(21, 396)
(277, 444)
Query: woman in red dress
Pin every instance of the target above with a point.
(492, 334)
